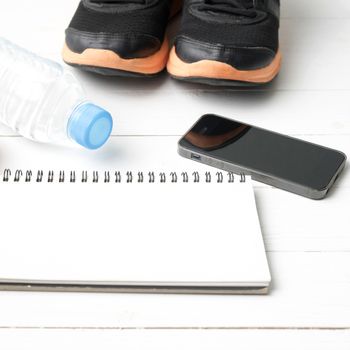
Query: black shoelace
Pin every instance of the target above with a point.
(243, 8)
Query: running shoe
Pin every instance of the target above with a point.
(120, 37)
(227, 42)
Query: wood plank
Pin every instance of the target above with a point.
(289, 222)
(289, 8)
(315, 9)
(123, 152)
(157, 112)
(165, 107)
(301, 38)
(309, 290)
(16, 339)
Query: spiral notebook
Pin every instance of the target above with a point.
(113, 231)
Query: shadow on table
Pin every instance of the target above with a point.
(124, 83)
(335, 188)
(259, 206)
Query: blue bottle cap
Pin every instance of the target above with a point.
(90, 126)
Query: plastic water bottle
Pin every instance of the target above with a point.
(42, 101)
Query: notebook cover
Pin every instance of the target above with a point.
(170, 237)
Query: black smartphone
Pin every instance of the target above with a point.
(288, 163)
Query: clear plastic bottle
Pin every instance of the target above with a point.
(42, 101)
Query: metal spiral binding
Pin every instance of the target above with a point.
(173, 176)
(29, 175)
(84, 176)
(95, 177)
(107, 177)
(162, 177)
(184, 177)
(39, 176)
(50, 176)
(152, 177)
(72, 176)
(7, 175)
(119, 177)
(18, 175)
(196, 177)
(61, 176)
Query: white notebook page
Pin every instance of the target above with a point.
(172, 234)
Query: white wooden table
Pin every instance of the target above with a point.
(308, 242)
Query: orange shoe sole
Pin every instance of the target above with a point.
(108, 62)
(214, 72)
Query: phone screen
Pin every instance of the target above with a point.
(263, 151)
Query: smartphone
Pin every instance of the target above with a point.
(288, 163)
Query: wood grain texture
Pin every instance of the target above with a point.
(108, 339)
(308, 290)
(308, 242)
(289, 222)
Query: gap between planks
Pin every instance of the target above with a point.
(309, 328)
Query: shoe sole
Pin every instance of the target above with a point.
(110, 63)
(218, 73)
(107, 62)
(110, 72)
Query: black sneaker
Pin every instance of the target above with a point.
(120, 37)
(227, 42)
